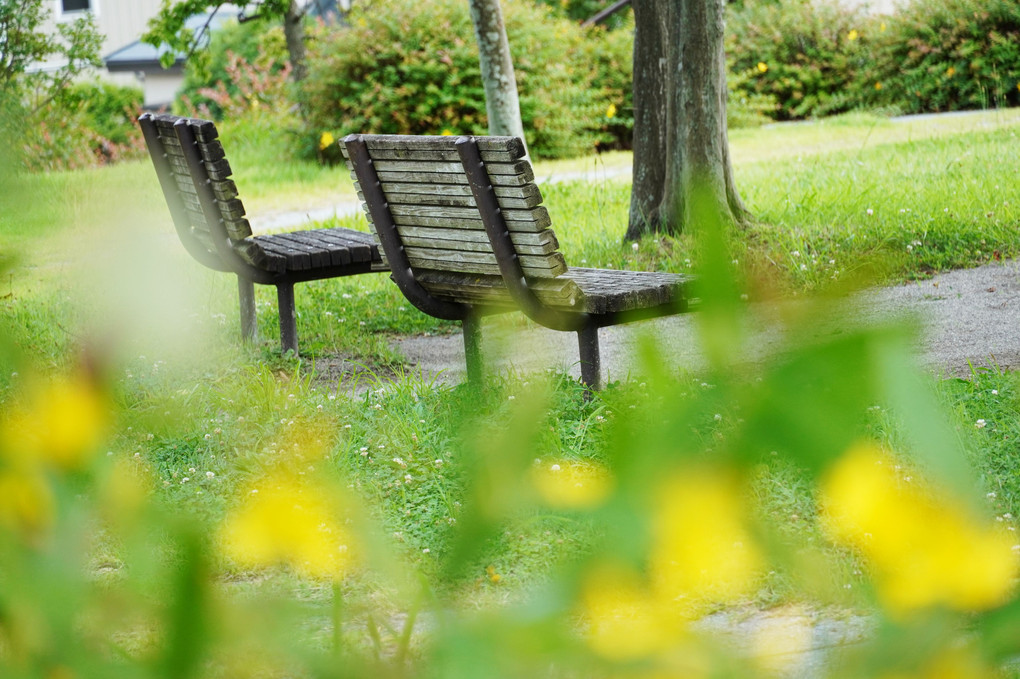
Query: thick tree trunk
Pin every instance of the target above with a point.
(501, 103)
(294, 34)
(692, 152)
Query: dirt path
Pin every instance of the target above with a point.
(967, 318)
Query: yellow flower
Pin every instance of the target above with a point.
(61, 423)
(762, 67)
(926, 550)
(571, 484)
(878, 86)
(852, 35)
(881, 27)
(446, 133)
(950, 72)
(625, 620)
(326, 140)
(702, 546)
(493, 576)
(287, 520)
(26, 502)
(611, 111)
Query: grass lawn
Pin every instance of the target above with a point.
(523, 528)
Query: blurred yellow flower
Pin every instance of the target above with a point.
(285, 519)
(702, 546)
(611, 111)
(571, 484)
(950, 72)
(881, 27)
(926, 550)
(625, 620)
(878, 86)
(26, 502)
(61, 422)
(446, 133)
(762, 67)
(326, 140)
(852, 35)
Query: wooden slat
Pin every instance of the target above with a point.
(526, 192)
(444, 264)
(538, 214)
(543, 239)
(430, 154)
(375, 142)
(455, 201)
(430, 178)
(474, 288)
(401, 220)
(443, 167)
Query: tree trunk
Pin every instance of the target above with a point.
(294, 34)
(680, 42)
(501, 103)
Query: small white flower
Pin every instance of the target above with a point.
(555, 468)
(980, 424)
(426, 551)
(870, 212)
(634, 247)
(185, 479)
(995, 392)
(210, 475)
(718, 417)
(795, 253)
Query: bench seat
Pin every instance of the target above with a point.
(209, 218)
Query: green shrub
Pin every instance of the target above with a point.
(213, 75)
(805, 54)
(110, 110)
(407, 68)
(946, 55)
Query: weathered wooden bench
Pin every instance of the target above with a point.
(461, 226)
(209, 218)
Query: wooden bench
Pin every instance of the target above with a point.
(462, 227)
(209, 218)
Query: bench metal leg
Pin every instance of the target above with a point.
(246, 297)
(288, 317)
(591, 363)
(472, 327)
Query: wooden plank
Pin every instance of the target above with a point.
(544, 239)
(434, 154)
(491, 289)
(430, 178)
(473, 246)
(444, 264)
(511, 145)
(455, 201)
(442, 167)
(401, 220)
(526, 192)
(538, 214)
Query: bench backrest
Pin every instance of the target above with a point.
(202, 198)
(434, 210)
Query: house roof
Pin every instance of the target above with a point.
(141, 56)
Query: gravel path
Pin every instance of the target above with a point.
(967, 318)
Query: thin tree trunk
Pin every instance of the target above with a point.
(501, 103)
(294, 34)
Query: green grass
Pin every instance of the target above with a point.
(441, 472)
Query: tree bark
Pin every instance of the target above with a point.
(681, 144)
(294, 34)
(501, 103)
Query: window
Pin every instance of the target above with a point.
(68, 6)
